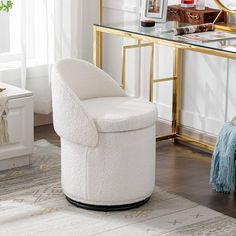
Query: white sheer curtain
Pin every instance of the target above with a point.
(40, 32)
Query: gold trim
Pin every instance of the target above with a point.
(100, 12)
(224, 25)
(214, 52)
(123, 74)
(139, 45)
(194, 142)
(165, 79)
(176, 90)
(221, 6)
(151, 74)
(100, 35)
(218, 16)
(165, 137)
(97, 48)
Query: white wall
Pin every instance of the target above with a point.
(120, 11)
(209, 97)
(88, 15)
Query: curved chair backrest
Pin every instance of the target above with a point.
(86, 80)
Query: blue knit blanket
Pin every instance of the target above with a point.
(223, 166)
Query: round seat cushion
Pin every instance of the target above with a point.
(118, 114)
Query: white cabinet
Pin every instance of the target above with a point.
(20, 128)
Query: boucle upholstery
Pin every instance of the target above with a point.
(116, 114)
(120, 170)
(87, 81)
(70, 119)
(107, 138)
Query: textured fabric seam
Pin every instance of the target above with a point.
(125, 131)
(128, 120)
(86, 176)
(76, 99)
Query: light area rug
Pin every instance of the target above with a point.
(32, 203)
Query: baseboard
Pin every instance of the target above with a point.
(210, 125)
(42, 119)
(195, 134)
(15, 162)
(164, 128)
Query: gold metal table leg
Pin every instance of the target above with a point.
(176, 108)
(124, 53)
(151, 74)
(176, 135)
(123, 73)
(100, 11)
(98, 39)
(97, 47)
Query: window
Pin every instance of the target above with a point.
(27, 38)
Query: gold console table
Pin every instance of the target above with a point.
(162, 35)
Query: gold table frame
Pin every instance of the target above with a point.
(176, 79)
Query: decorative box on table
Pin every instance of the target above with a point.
(191, 15)
(17, 150)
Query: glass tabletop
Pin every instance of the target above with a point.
(217, 40)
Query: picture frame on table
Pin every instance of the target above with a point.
(154, 10)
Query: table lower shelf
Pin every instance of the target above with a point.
(187, 140)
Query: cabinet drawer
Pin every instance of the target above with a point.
(20, 128)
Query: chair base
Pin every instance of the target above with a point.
(107, 208)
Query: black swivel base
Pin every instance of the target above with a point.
(107, 208)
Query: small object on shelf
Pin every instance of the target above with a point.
(148, 23)
(194, 29)
(4, 137)
(154, 10)
(2, 89)
(210, 36)
(187, 3)
(200, 5)
(191, 15)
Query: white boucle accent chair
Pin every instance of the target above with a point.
(107, 139)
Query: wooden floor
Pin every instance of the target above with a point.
(180, 169)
